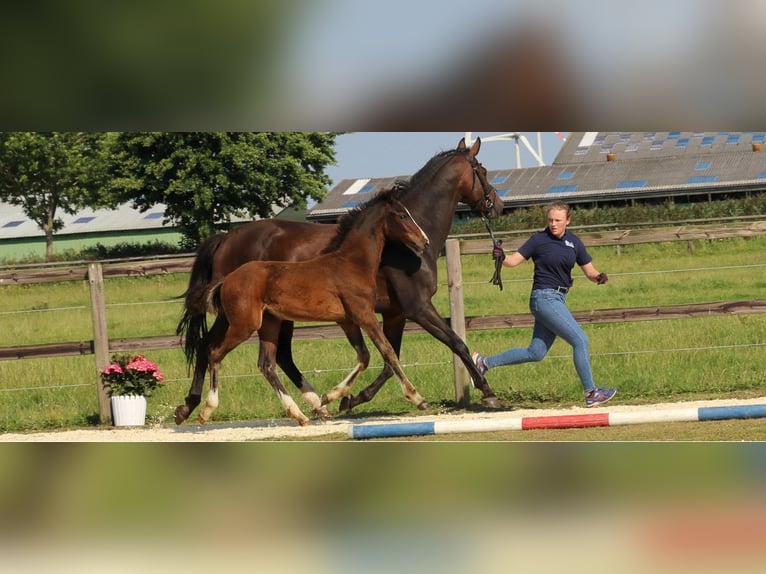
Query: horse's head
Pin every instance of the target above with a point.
(400, 226)
(475, 190)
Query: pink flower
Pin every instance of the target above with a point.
(139, 363)
(114, 368)
(132, 374)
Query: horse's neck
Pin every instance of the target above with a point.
(434, 208)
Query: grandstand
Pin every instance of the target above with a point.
(598, 168)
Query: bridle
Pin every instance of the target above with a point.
(489, 203)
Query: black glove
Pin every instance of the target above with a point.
(602, 278)
(499, 255)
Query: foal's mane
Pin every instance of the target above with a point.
(348, 220)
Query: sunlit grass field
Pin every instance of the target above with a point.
(651, 361)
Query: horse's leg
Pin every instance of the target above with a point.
(268, 336)
(218, 346)
(428, 317)
(285, 361)
(393, 328)
(194, 398)
(372, 328)
(355, 337)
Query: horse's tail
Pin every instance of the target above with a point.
(193, 323)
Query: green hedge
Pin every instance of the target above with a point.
(534, 217)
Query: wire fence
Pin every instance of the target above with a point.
(415, 365)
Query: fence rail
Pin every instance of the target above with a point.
(477, 323)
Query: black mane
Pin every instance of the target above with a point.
(433, 165)
(348, 220)
(400, 188)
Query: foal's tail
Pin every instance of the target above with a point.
(193, 323)
(214, 298)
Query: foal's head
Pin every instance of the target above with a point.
(400, 226)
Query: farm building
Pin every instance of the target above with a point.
(597, 168)
(20, 237)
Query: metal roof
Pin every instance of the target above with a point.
(602, 166)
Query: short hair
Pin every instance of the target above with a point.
(561, 206)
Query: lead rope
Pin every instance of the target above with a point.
(496, 278)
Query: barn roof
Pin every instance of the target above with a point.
(599, 166)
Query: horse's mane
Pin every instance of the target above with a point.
(348, 220)
(399, 190)
(433, 165)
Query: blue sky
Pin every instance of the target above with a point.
(390, 154)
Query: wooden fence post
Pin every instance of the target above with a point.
(100, 337)
(457, 314)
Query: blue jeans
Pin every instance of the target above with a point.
(552, 319)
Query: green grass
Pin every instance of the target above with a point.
(669, 360)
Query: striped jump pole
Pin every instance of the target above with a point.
(390, 430)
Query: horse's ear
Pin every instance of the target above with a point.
(475, 147)
(461, 144)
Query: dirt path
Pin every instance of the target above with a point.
(287, 429)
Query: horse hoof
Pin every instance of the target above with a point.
(322, 413)
(345, 405)
(491, 403)
(424, 406)
(201, 420)
(181, 414)
(324, 400)
(304, 423)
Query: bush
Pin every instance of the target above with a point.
(126, 249)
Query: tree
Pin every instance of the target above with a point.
(206, 178)
(49, 172)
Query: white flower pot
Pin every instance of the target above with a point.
(129, 410)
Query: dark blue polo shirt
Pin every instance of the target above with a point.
(554, 258)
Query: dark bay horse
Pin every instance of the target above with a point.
(405, 284)
(338, 285)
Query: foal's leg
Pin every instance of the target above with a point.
(372, 328)
(342, 389)
(217, 340)
(285, 361)
(268, 335)
(393, 327)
